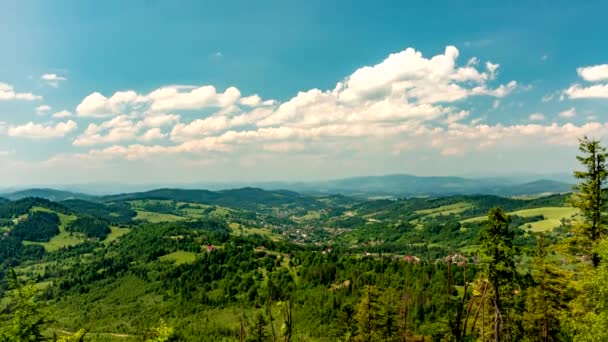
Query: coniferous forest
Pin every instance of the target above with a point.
(255, 265)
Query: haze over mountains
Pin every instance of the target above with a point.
(368, 186)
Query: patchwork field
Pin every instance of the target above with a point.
(153, 217)
(552, 215)
(64, 238)
(446, 209)
(179, 257)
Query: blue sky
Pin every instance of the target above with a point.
(191, 91)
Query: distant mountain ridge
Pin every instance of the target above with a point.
(401, 185)
(409, 185)
(50, 194)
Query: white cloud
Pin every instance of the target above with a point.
(284, 147)
(251, 101)
(159, 120)
(152, 134)
(576, 91)
(536, 117)
(120, 128)
(39, 131)
(62, 114)
(199, 127)
(42, 109)
(591, 74)
(97, 105)
(169, 98)
(53, 79)
(594, 73)
(568, 113)
(126, 128)
(7, 92)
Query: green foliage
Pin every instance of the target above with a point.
(28, 314)
(546, 300)
(115, 213)
(497, 253)
(162, 333)
(76, 337)
(23, 206)
(587, 318)
(92, 227)
(259, 329)
(38, 226)
(591, 196)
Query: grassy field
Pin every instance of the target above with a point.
(157, 217)
(179, 257)
(64, 238)
(311, 215)
(552, 215)
(446, 209)
(116, 233)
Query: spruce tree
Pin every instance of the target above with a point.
(259, 331)
(546, 299)
(369, 316)
(497, 253)
(590, 197)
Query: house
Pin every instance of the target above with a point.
(411, 259)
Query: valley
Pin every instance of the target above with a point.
(209, 262)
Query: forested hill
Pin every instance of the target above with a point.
(401, 185)
(246, 262)
(245, 198)
(50, 194)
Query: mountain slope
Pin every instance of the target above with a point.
(246, 198)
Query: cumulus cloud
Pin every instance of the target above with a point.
(165, 99)
(568, 113)
(97, 105)
(594, 73)
(7, 92)
(53, 79)
(577, 91)
(42, 109)
(62, 114)
(536, 117)
(40, 131)
(126, 128)
(152, 134)
(404, 101)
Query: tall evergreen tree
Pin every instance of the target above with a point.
(368, 316)
(259, 331)
(590, 197)
(546, 300)
(497, 253)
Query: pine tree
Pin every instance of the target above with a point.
(590, 197)
(497, 253)
(587, 319)
(389, 317)
(368, 316)
(546, 300)
(259, 331)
